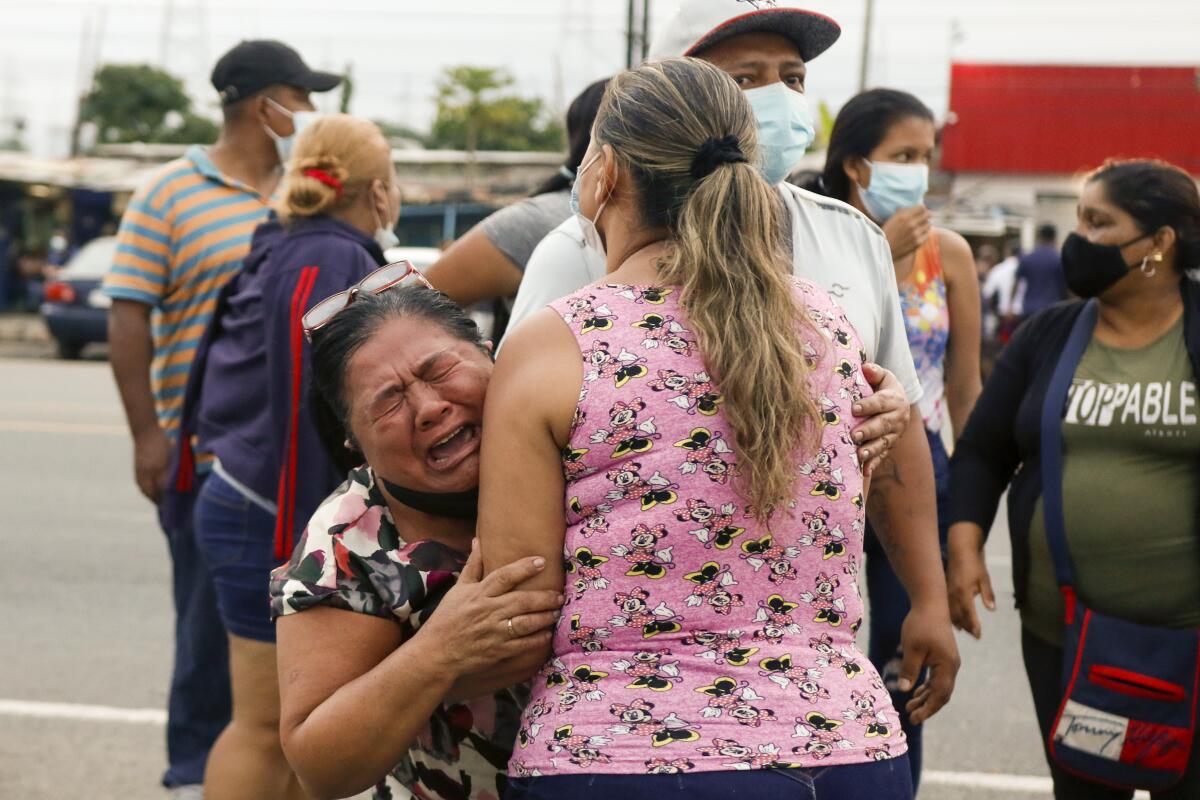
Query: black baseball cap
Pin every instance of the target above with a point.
(252, 66)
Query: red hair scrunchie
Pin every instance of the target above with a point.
(325, 178)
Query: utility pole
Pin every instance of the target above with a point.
(630, 34)
(90, 45)
(645, 29)
(865, 64)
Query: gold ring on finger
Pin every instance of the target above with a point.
(511, 632)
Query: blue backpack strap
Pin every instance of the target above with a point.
(1052, 445)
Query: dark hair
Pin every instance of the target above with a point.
(1047, 233)
(335, 344)
(580, 116)
(859, 128)
(1156, 194)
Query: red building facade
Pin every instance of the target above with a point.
(1031, 119)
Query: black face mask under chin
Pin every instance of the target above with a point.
(1092, 269)
(451, 505)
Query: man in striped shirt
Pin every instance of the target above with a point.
(183, 236)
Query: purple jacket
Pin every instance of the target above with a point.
(247, 399)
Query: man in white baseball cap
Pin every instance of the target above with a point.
(765, 46)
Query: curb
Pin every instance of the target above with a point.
(23, 327)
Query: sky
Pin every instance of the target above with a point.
(553, 48)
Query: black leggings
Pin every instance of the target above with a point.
(1043, 666)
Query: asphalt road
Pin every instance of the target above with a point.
(86, 619)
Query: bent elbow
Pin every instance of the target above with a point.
(316, 767)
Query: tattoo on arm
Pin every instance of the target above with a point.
(887, 488)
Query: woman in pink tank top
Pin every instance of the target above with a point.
(681, 435)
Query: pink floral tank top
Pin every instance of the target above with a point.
(694, 639)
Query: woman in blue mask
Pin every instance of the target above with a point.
(878, 161)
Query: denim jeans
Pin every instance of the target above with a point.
(871, 780)
(237, 541)
(199, 704)
(889, 605)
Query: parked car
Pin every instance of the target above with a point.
(75, 309)
(421, 257)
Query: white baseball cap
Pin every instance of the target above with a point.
(702, 23)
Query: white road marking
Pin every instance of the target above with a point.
(77, 711)
(1032, 784)
(72, 428)
(154, 716)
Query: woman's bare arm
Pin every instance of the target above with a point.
(530, 404)
(473, 269)
(354, 695)
(963, 380)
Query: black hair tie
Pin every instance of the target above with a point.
(715, 152)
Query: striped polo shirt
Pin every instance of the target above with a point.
(183, 236)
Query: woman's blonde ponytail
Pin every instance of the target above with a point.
(688, 135)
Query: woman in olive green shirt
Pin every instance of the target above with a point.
(1131, 440)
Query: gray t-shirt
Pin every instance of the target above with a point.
(517, 229)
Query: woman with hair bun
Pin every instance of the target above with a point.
(247, 418)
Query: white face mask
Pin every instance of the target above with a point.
(284, 144)
(385, 235)
(591, 234)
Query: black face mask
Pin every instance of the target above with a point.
(1092, 269)
(451, 505)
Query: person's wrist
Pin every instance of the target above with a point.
(933, 608)
(144, 433)
(930, 598)
(443, 650)
(962, 539)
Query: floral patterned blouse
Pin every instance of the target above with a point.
(927, 323)
(352, 557)
(695, 638)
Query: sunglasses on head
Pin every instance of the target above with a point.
(389, 276)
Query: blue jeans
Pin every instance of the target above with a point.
(871, 780)
(237, 540)
(199, 703)
(889, 605)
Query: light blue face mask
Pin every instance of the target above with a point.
(893, 187)
(785, 128)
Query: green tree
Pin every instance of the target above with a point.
(192, 129)
(825, 120)
(398, 132)
(475, 112)
(141, 103)
(15, 139)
